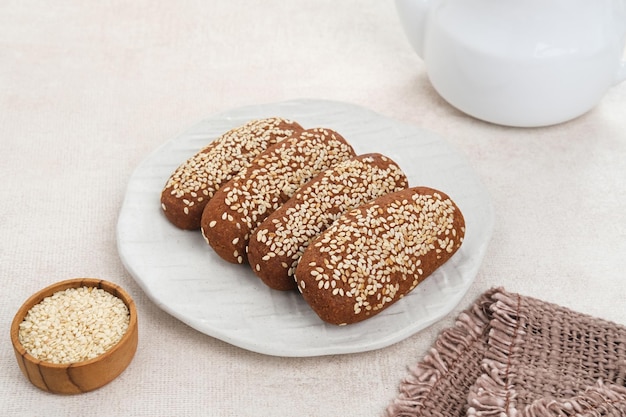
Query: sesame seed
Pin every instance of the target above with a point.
(74, 325)
(373, 255)
(205, 172)
(347, 185)
(270, 180)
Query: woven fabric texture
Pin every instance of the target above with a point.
(516, 356)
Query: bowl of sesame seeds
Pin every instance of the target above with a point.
(75, 336)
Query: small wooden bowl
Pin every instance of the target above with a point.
(78, 377)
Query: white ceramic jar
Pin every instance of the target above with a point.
(520, 63)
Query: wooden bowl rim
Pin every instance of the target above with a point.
(36, 298)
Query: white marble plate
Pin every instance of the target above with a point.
(182, 275)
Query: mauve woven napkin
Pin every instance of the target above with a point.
(514, 356)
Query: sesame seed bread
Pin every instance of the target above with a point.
(238, 208)
(195, 181)
(278, 243)
(375, 254)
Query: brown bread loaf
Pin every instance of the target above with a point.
(195, 181)
(375, 254)
(278, 243)
(271, 179)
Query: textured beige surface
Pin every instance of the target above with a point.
(88, 89)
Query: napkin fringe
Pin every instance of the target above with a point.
(602, 400)
(416, 388)
(493, 394)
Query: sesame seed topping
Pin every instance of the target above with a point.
(289, 230)
(375, 254)
(341, 188)
(272, 178)
(198, 178)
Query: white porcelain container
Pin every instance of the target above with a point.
(520, 63)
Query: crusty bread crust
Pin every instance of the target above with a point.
(375, 254)
(272, 178)
(278, 243)
(196, 180)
